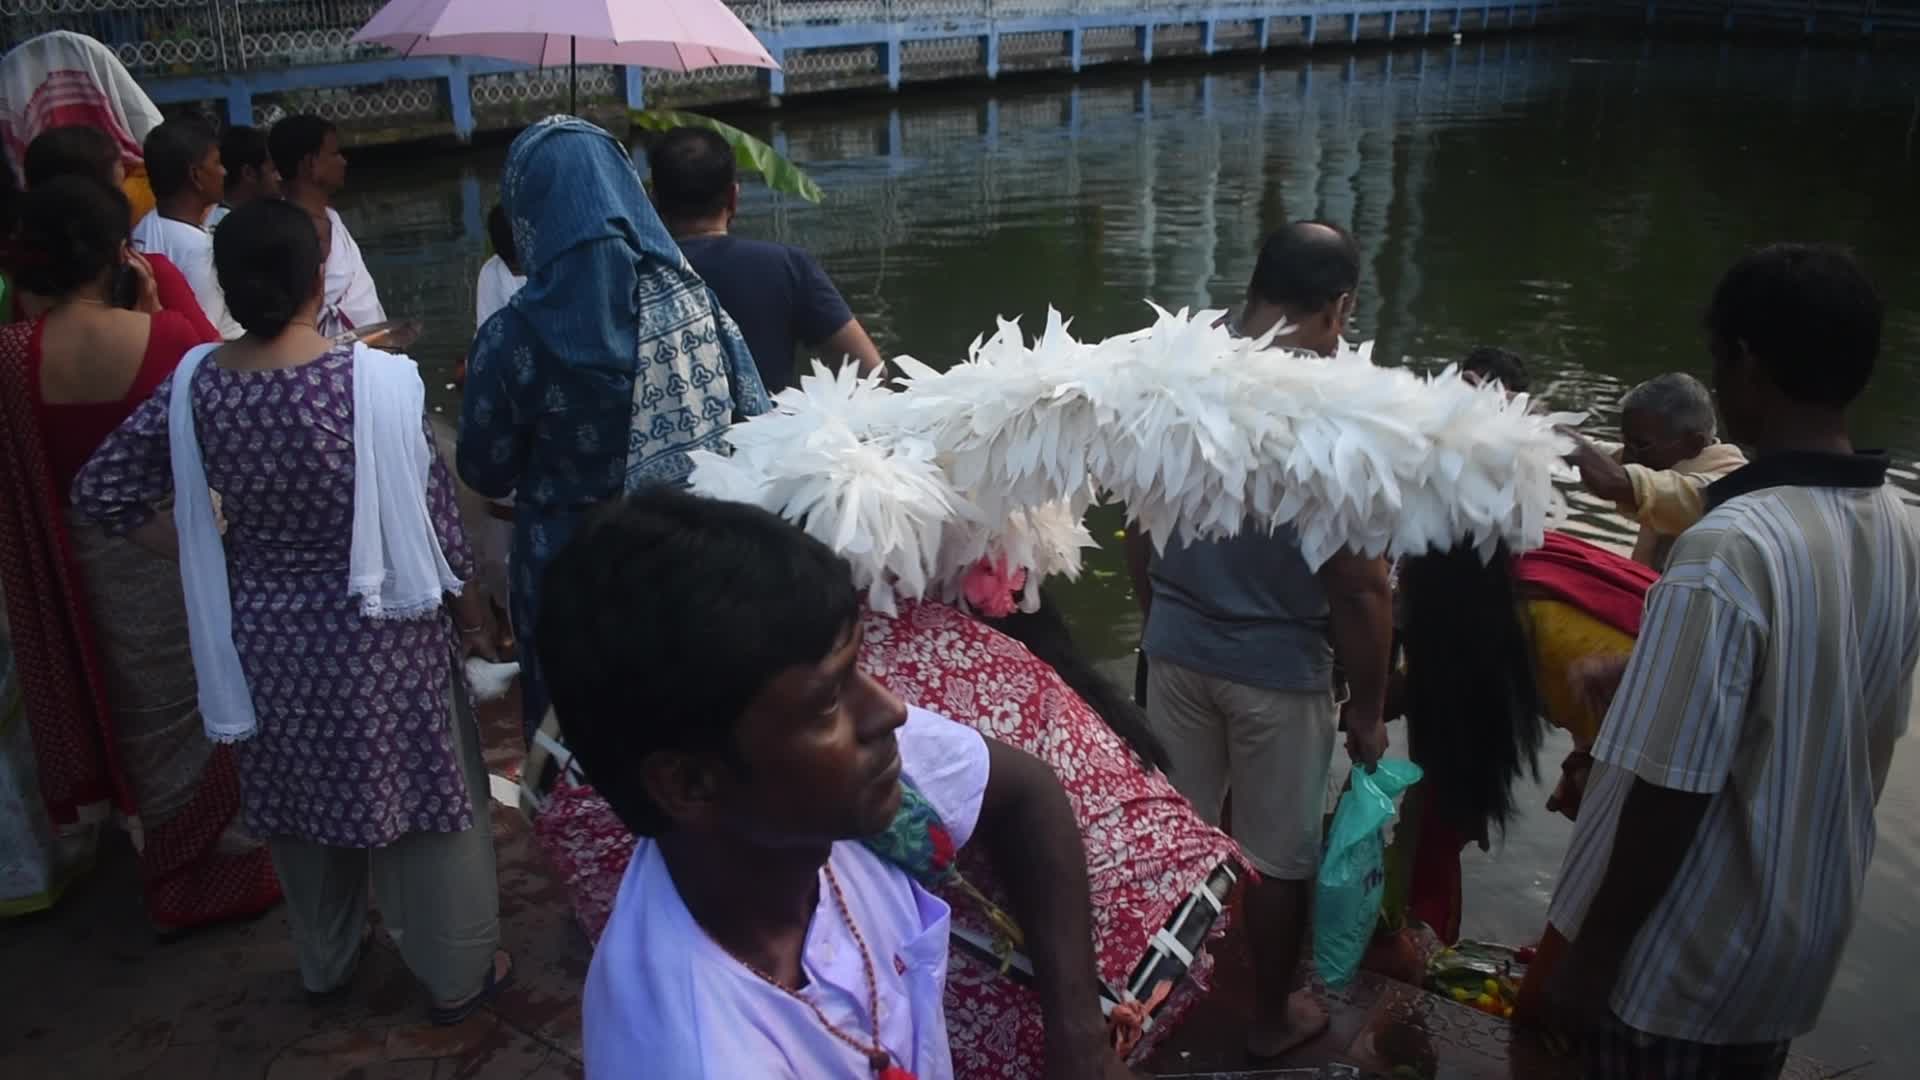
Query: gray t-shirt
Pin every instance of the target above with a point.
(1246, 609)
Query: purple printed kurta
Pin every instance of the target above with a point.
(355, 745)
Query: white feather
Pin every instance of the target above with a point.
(489, 681)
(1197, 432)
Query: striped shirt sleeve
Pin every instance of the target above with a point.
(1677, 719)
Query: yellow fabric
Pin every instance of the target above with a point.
(1563, 634)
(138, 191)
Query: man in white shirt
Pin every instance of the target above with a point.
(306, 151)
(1724, 838)
(702, 661)
(184, 167)
(250, 172)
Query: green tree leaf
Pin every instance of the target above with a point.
(749, 153)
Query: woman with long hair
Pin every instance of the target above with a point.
(603, 372)
(1493, 647)
(320, 623)
(98, 623)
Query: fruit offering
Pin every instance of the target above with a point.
(1479, 976)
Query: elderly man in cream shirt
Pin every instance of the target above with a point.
(1659, 476)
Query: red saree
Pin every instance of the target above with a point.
(102, 744)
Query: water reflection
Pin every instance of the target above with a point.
(1572, 200)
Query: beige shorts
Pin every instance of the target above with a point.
(1271, 748)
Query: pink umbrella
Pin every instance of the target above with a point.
(675, 35)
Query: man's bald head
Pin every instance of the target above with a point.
(1306, 274)
(1305, 266)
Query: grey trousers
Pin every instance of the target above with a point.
(438, 892)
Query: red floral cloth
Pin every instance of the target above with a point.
(1146, 849)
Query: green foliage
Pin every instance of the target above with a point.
(749, 153)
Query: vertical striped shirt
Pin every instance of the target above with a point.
(1773, 673)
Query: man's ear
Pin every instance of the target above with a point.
(1343, 309)
(733, 199)
(686, 787)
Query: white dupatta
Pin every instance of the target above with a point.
(396, 569)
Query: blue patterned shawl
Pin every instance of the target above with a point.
(607, 288)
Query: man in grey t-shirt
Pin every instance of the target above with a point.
(1242, 636)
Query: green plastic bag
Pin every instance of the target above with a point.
(1353, 875)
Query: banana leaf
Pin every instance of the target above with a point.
(749, 153)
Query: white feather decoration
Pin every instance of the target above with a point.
(1201, 433)
(1198, 432)
(488, 681)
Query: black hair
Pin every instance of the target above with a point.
(243, 147)
(1474, 714)
(72, 228)
(693, 173)
(1498, 365)
(295, 139)
(1807, 314)
(172, 150)
(268, 263)
(1045, 634)
(500, 234)
(1305, 266)
(662, 620)
(73, 150)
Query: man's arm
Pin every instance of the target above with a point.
(1601, 471)
(1028, 831)
(824, 320)
(1674, 718)
(851, 340)
(1656, 829)
(1666, 500)
(1360, 617)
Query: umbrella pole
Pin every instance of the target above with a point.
(573, 76)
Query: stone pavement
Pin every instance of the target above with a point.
(86, 992)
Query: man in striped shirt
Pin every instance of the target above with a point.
(1718, 862)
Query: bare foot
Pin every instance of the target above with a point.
(1306, 1018)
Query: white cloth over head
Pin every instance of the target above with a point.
(65, 78)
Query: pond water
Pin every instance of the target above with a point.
(1570, 199)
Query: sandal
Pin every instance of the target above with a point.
(449, 1015)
